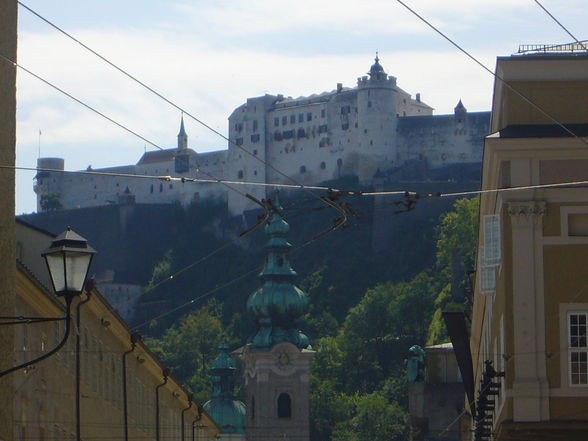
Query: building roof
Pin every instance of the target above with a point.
(543, 131)
(166, 155)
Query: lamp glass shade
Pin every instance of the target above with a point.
(68, 270)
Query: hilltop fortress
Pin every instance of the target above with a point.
(368, 130)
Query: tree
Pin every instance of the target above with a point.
(50, 202)
(189, 347)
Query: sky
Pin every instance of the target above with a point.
(210, 56)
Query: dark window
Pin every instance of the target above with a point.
(255, 137)
(276, 122)
(288, 134)
(278, 136)
(301, 117)
(171, 186)
(323, 113)
(300, 133)
(255, 152)
(239, 141)
(284, 120)
(345, 126)
(160, 188)
(303, 169)
(240, 174)
(254, 125)
(323, 128)
(345, 110)
(339, 162)
(292, 119)
(239, 127)
(255, 172)
(280, 261)
(284, 406)
(369, 104)
(151, 188)
(309, 116)
(323, 165)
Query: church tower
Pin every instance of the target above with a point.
(278, 356)
(182, 137)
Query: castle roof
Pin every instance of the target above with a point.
(165, 155)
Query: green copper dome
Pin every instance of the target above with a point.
(224, 408)
(278, 303)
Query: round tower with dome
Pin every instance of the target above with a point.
(277, 357)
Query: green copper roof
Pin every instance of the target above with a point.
(278, 303)
(224, 408)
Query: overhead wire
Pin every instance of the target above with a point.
(494, 74)
(560, 24)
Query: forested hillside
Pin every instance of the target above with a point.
(366, 309)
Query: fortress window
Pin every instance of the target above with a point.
(301, 133)
(239, 127)
(254, 125)
(303, 169)
(345, 126)
(255, 172)
(345, 110)
(309, 116)
(284, 406)
(255, 137)
(240, 174)
(160, 188)
(323, 165)
(301, 117)
(239, 141)
(284, 120)
(369, 104)
(171, 186)
(151, 191)
(276, 122)
(323, 128)
(292, 119)
(255, 152)
(323, 113)
(288, 134)
(371, 142)
(339, 162)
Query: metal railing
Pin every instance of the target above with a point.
(581, 46)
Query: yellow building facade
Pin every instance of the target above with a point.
(49, 405)
(530, 314)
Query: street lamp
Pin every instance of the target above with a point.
(68, 261)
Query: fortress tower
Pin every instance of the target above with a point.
(277, 359)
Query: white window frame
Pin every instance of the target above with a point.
(578, 349)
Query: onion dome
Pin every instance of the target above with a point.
(224, 408)
(278, 303)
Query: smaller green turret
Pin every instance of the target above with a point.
(224, 408)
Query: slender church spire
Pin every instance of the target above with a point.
(182, 136)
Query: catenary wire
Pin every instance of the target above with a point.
(77, 100)
(198, 120)
(495, 75)
(560, 24)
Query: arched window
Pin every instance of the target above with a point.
(284, 406)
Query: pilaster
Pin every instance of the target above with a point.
(530, 385)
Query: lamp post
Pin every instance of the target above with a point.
(68, 260)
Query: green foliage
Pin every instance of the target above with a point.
(50, 202)
(189, 347)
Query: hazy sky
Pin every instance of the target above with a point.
(209, 56)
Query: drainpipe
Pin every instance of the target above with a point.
(198, 418)
(89, 288)
(165, 374)
(135, 338)
(190, 398)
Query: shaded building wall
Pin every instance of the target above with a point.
(8, 19)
